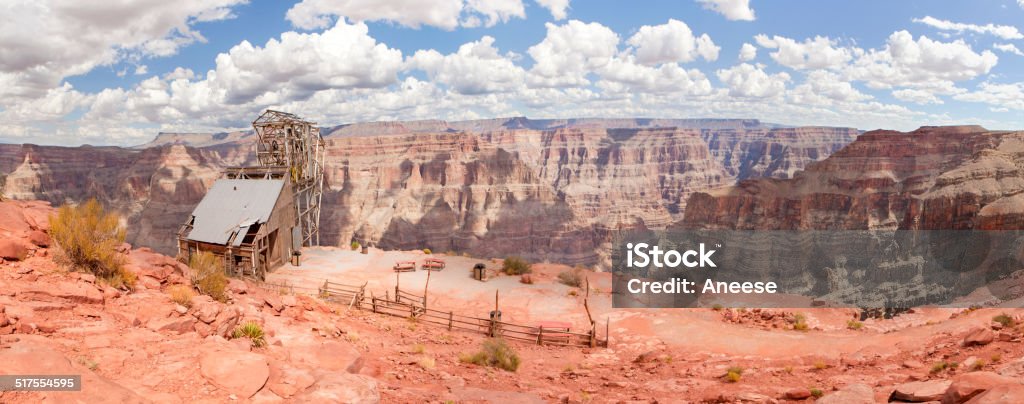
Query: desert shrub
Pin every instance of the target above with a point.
(88, 237)
(251, 330)
(494, 353)
(427, 362)
(1004, 319)
(799, 322)
(820, 365)
(716, 307)
(817, 393)
(978, 364)
(996, 357)
(427, 251)
(181, 294)
(734, 374)
(526, 278)
(572, 277)
(355, 245)
(854, 325)
(208, 275)
(419, 349)
(515, 266)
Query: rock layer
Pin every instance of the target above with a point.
(544, 189)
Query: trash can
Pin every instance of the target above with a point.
(365, 249)
(480, 272)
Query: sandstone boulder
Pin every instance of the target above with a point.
(922, 391)
(32, 356)
(237, 286)
(39, 238)
(979, 336)
(206, 310)
(342, 388)
(226, 321)
(1007, 393)
(798, 394)
(330, 355)
(79, 292)
(237, 372)
(969, 385)
(274, 302)
(850, 394)
(12, 249)
(288, 381)
(178, 325)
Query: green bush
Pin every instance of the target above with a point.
(817, 393)
(494, 353)
(355, 245)
(854, 325)
(572, 277)
(427, 251)
(251, 330)
(88, 237)
(208, 275)
(516, 266)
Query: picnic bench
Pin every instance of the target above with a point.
(405, 266)
(433, 264)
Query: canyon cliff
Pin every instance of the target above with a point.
(957, 177)
(544, 189)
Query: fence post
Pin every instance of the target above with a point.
(451, 317)
(593, 334)
(540, 336)
(607, 334)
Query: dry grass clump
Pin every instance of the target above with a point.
(355, 245)
(734, 374)
(494, 353)
(208, 275)
(800, 322)
(515, 266)
(572, 277)
(1004, 319)
(181, 294)
(88, 237)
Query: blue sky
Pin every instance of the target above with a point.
(75, 73)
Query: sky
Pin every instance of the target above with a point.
(118, 72)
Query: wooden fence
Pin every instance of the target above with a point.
(341, 293)
(409, 305)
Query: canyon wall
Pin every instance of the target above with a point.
(960, 177)
(544, 189)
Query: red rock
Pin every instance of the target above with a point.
(237, 286)
(38, 357)
(1007, 393)
(3, 320)
(226, 321)
(39, 238)
(288, 381)
(798, 394)
(12, 250)
(239, 373)
(916, 392)
(330, 355)
(90, 278)
(344, 388)
(79, 292)
(289, 301)
(968, 385)
(148, 282)
(178, 325)
(206, 310)
(850, 394)
(274, 302)
(979, 336)
(204, 330)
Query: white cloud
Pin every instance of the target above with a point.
(476, 68)
(746, 80)
(444, 14)
(570, 51)
(141, 70)
(916, 96)
(671, 42)
(1008, 48)
(559, 8)
(1002, 31)
(43, 42)
(823, 87)
(904, 62)
(1009, 96)
(748, 52)
(733, 10)
(817, 53)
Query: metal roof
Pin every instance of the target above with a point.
(233, 204)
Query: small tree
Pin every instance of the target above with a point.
(88, 237)
(208, 275)
(516, 266)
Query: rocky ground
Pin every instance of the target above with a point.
(140, 346)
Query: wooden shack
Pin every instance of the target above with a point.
(250, 223)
